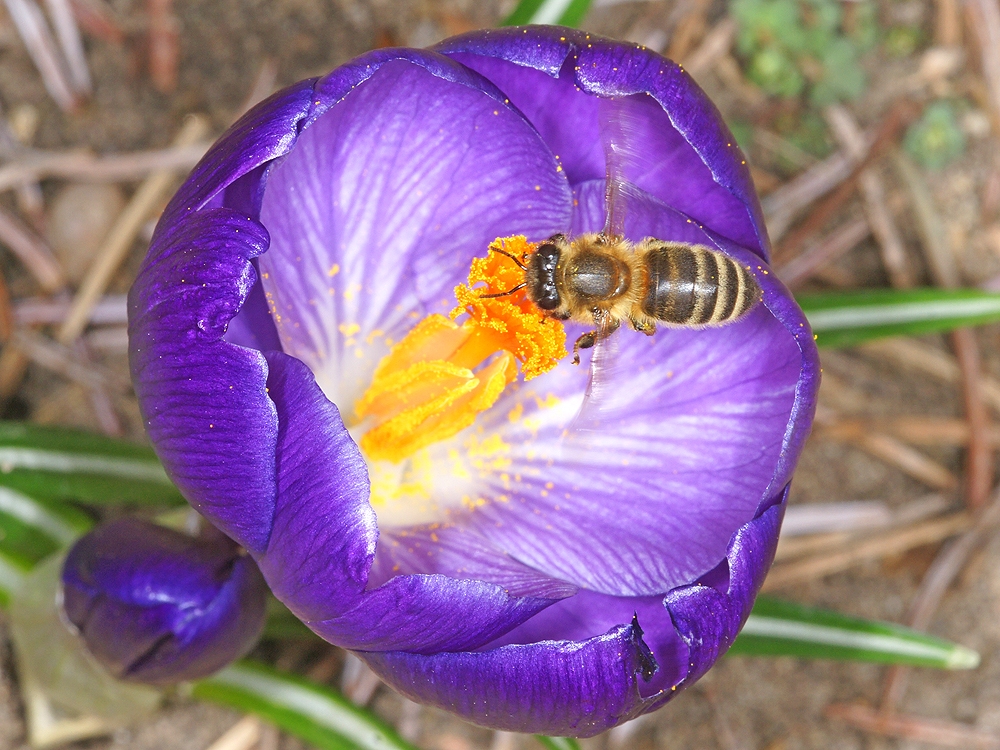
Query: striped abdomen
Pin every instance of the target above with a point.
(691, 285)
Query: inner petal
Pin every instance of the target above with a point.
(376, 213)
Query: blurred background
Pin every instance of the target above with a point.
(873, 132)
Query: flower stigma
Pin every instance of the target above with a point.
(442, 374)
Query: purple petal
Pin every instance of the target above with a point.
(682, 152)
(377, 213)
(678, 452)
(159, 607)
(553, 676)
(554, 687)
(264, 133)
(709, 619)
(324, 539)
(204, 400)
(459, 552)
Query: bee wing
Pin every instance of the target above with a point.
(617, 152)
(619, 120)
(602, 375)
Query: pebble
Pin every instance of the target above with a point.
(78, 222)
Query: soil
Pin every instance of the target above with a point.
(745, 703)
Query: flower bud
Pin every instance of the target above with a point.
(156, 606)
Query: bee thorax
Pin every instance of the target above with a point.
(594, 276)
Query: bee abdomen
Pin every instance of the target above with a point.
(692, 285)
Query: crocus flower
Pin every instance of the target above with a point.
(156, 606)
(528, 554)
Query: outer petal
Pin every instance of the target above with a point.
(584, 686)
(204, 400)
(568, 688)
(156, 606)
(324, 538)
(683, 153)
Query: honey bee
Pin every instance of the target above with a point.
(604, 279)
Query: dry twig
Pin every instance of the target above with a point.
(30, 23)
(68, 34)
(944, 270)
(32, 251)
(836, 244)
(146, 199)
(888, 131)
(95, 19)
(947, 23)
(892, 451)
(850, 137)
(943, 571)
(164, 44)
(86, 167)
(243, 735)
(689, 29)
(875, 547)
(933, 362)
(64, 361)
(942, 733)
(713, 47)
(984, 19)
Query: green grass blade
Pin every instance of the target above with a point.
(12, 571)
(777, 628)
(848, 318)
(562, 12)
(31, 530)
(558, 743)
(59, 464)
(311, 712)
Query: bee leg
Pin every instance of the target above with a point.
(643, 327)
(586, 341)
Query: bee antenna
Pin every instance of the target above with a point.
(503, 294)
(504, 252)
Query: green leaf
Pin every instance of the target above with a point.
(936, 139)
(849, 318)
(562, 12)
(558, 743)
(60, 464)
(311, 712)
(777, 628)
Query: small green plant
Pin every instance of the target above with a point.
(902, 41)
(936, 139)
(804, 46)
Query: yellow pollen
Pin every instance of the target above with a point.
(434, 382)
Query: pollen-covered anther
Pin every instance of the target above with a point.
(441, 375)
(519, 327)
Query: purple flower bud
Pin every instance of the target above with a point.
(572, 555)
(156, 606)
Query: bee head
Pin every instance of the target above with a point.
(540, 276)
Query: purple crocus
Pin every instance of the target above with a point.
(570, 559)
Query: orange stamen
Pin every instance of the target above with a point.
(428, 387)
(537, 342)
